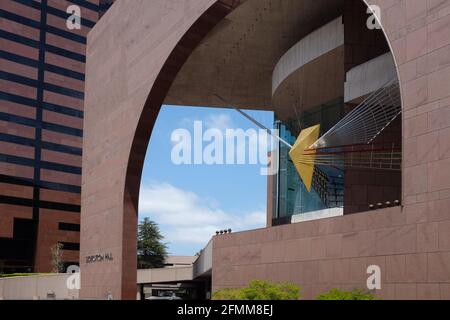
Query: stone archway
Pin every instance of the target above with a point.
(134, 54)
(125, 90)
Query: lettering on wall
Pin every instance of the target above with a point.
(96, 258)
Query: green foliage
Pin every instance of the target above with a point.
(260, 290)
(227, 294)
(356, 294)
(152, 251)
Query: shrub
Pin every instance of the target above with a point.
(227, 294)
(356, 294)
(260, 290)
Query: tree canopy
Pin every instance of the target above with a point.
(152, 251)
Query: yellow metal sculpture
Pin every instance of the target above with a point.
(304, 161)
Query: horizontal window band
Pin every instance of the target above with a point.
(37, 25)
(5, 137)
(54, 11)
(86, 4)
(66, 34)
(60, 167)
(18, 79)
(48, 67)
(17, 119)
(69, 226)
(59, 206)
(45, 105)
(35, 84)
(19, 39)
(65, 53)
(63, 110)
(35, 44)
(16, 201)
(62, 129)
(17, 180)
(21, 161)
(18, 59)
(55, 186)
(40, 204)
(44, 125)
(20, 19)
(61, 148)
(64, 72)
(17, 99)
(71, 246)
(7, 158)
(64, 91)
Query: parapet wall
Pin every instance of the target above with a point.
(38, 287)
(410, 245)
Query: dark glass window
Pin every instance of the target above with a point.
(70, 246)
(69, 226)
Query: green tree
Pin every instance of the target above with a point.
(260, 290)
(152, 251)
(356, 294)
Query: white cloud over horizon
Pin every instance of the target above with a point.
(186, 217)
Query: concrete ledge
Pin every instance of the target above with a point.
(369, 77)
(165, 275)
(316, 44)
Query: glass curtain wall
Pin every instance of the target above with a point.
(290, 196)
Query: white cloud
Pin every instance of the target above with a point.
(186, 217)
(221, 121)
(255, 218)
(187, 123)
(253, 143)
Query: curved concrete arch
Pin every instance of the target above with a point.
(125, 86)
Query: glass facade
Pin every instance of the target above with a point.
(290, 196)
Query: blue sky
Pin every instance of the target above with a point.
(190, 202)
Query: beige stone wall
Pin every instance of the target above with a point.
(36, 288)
(368, 77)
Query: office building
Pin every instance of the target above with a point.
(42, 73)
